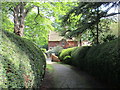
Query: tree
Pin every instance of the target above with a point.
(89, 16)
(37, 23)
(20, 11)
(37, 31)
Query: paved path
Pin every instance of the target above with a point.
(66, 76)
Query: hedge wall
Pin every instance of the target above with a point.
(101, 61)
(65, 55)
(22, 63)
(78, 56)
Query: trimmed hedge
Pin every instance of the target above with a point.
(65, 55)
(78, 56)
(101, 61)
(22, 63)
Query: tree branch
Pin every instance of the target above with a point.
(37, 15)
(27, 10)
(112, 14)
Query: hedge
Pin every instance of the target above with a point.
(101, 61)
(22, 63)
(78, 56)
(65, 55)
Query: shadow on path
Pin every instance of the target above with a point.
(66, 76)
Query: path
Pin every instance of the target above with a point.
(66, 76)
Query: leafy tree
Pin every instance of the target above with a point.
(89, 16)
(36, 21)
(37, 31)
(20, 11)
(59, 10)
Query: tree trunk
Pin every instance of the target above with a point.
(97, 28)
(79, 41)
(19, 16)
(97, 36)
(16, 21)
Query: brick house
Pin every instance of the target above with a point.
(55, 39)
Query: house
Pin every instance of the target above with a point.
(55, 39)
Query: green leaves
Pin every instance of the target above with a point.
(37, 30)
(84, 18)
(22, 63)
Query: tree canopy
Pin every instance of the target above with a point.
(87, 16)
(38, 18)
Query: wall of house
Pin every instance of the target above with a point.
(72, 44)
(52, 44)
(63, 44)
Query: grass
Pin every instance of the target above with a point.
(50, 68)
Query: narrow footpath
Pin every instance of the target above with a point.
(66, 76)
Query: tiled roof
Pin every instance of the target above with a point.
(55, 36)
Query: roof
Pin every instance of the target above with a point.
(55, 36)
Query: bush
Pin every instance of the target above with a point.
(66, 54)
(78, 56)
(43, 50)
(67, 59)
(22, 63)
(101, 61)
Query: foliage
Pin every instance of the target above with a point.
(66, 54)
(37, 26)
(104, 61)
(44, 46)
(101, 61)
(6, 23)
(38, 33)
(108, 38)
(22, 63)
(78, 56)
(59, 10)
(88, 16)
(43, 49)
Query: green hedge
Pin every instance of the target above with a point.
(101, 61)
(22, 63)
(78, 56)
(65, 55)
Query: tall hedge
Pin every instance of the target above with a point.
(101, 61)
(78, 56)
(22, 63)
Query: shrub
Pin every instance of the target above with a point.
(102, 61)
(78, 56)
(22, 63)
(67, 59)
(65, 54)
(44, 50)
